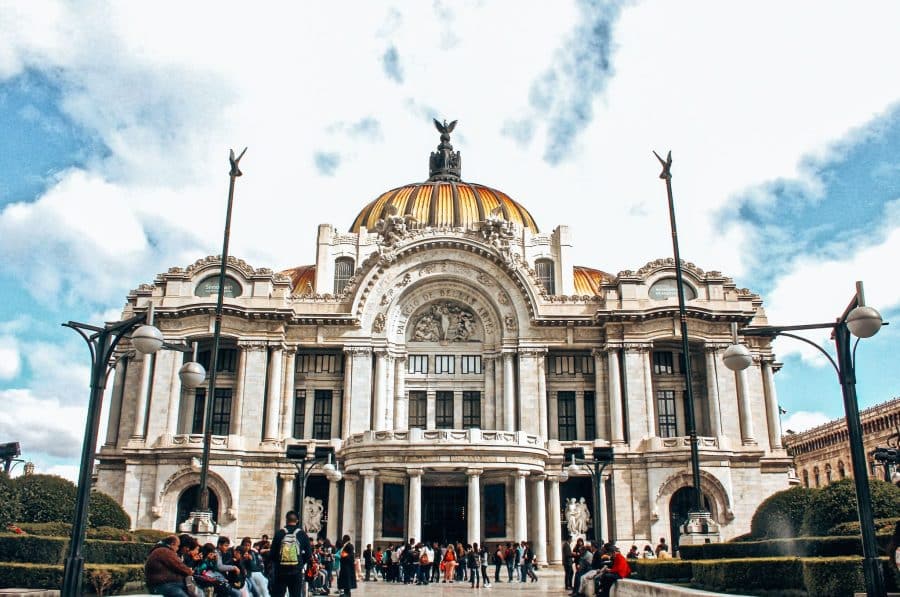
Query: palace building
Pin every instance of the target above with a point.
(449, 352)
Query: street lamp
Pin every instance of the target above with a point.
(102, 342)
(602, 457)
(297, 454)
(862, 322)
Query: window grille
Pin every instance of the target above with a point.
(417, 364)
(663, 363)
(299, 413)
(311, 363)
(471, 409)
(221, 415)
(418, 404)
(544, 270)
(322, 401)
(343, 271)
(469, 364)
(665, 407)
(590, 423)
(565, 409)
(443, 410)
(444, 363)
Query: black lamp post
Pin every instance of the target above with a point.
(862, 322)
(298, 455)
(690, 420)
(102, 342)
(9, 453)
(602, 457)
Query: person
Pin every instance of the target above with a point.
(346, 581)
(618, 568)
(255, 568)
(529, 560)
(585, 563)
(473, 561)
(426, 557)
(661, 546)
(188, 550)
(568, 562)
(164, 571)
(633, 553)
(483, 554)
(369, 561)
(290, 553)
(509, 557)
(437, 556)
(648, 553)
(449, 563)
(894, 548)
(520, 560)
(211, 572)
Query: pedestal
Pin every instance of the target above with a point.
(201, 525)
(700, 528)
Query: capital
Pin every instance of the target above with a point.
(474, 472)
(538, 478)
(367, 474)
(415, 472)
(522, 474)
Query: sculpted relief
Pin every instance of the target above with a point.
(445, 321)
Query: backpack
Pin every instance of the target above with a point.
(290, 548)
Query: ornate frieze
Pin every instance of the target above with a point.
(445, 321)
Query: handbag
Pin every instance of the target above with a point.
(190, 586)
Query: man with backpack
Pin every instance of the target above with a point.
(290, 553)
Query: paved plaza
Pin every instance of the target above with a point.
(548, 584)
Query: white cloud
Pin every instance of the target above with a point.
(42, 426)
(10, 361)
(803, 420)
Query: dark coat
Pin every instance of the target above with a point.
(302, 544)
(347, 575)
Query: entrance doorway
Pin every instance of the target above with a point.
(681, 504)
(444, 514)
(187, 501)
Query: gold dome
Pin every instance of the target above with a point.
(588, 280)
(444, 200)
(303, 279)
(444, 204)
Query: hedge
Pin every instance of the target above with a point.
(882, 525)
(836, 503)
(49, 499)
(756, 574)
(52, 550)
(9, 513)
(799, 547)
(64, 529)
(673, 570)
(781, 514)
(43, 576)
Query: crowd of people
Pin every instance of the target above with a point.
(592, 568)
(178, 566)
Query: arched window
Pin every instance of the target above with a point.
(544, 269)
(805, 478)
(816, 478)
(343, 271)
(842, 472)
(828, 474)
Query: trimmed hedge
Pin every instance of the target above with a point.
(64, 529)
(836, 503)
(757, 574)
(149, 535)
(662, 570)
(9, 513)
(49, 499)
(52, 550)
(106, 512)
(43, 576)
(882, 525)
(781, 514)
(800, 547)
(833, 576)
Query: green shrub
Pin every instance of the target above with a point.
(882, 526)
(47, 529)
(42, 576)
(757, 574)
(837, 503)
(110, 534)
(9, 512)
(45, 498)
(769, 548)
(781, 514)
(53, 550)
(833, 576)
(104, 511)
(149, 535)
(662, 570)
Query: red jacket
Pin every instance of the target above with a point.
(620, 565)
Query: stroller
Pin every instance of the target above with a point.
(316, 579)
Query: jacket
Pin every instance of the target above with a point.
(163, 565)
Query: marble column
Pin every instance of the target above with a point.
(489, 410)
(542, 398)
(604, 518)
(389, 392)
(286, 482)
(615, 397)
(771, 406)
(367, 528)
(553, 519)
(746, 417)
(273, 398)
(401, 401)
(379, 403)
(349, 515)
(520, 532)
(175, 397)
(287, 394)
(347, 403)
(540, 540)
(115, 403)
(237, 398)
(415, 504)
(473, 511)
(650, 418)
(360, 395)
(140, 412)
(600, 405)
(509, 393)
(331, 531)
(712, 391)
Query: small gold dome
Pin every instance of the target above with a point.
(588, 280)
(444, 204)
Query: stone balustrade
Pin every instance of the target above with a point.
(446, 436)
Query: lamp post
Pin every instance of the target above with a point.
(602, 458)
(297, 454)
(200, 520)
(102, 342)
(9, 453)
(862, 322)
(699, 513)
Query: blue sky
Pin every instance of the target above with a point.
(116, 119)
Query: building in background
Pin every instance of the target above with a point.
(449, 351)
(822, 454)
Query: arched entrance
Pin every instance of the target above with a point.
(681, 504)
(187, 501)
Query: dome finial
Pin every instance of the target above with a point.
(445, 164)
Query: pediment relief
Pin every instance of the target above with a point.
(445, 321)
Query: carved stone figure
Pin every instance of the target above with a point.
(312, 515)
(496, 230)
(445, 321)
(393, 227)
(578, 517)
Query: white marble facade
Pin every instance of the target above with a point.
(444, 373)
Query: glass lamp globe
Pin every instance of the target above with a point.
(147, 339)
(192, 375)
(573, 469)
(737, 357)
(864, 322)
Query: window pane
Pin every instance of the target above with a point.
(665, 407)
(299, 413)
(443, 410)
(662, 362)
(417, 409)
(544, 270)
(471, 409)
(444, 363)
(590, 425)
(470, 364)
(343, 271)
(566, 412)
(322, 414)
(417, 364)
(221, 414)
